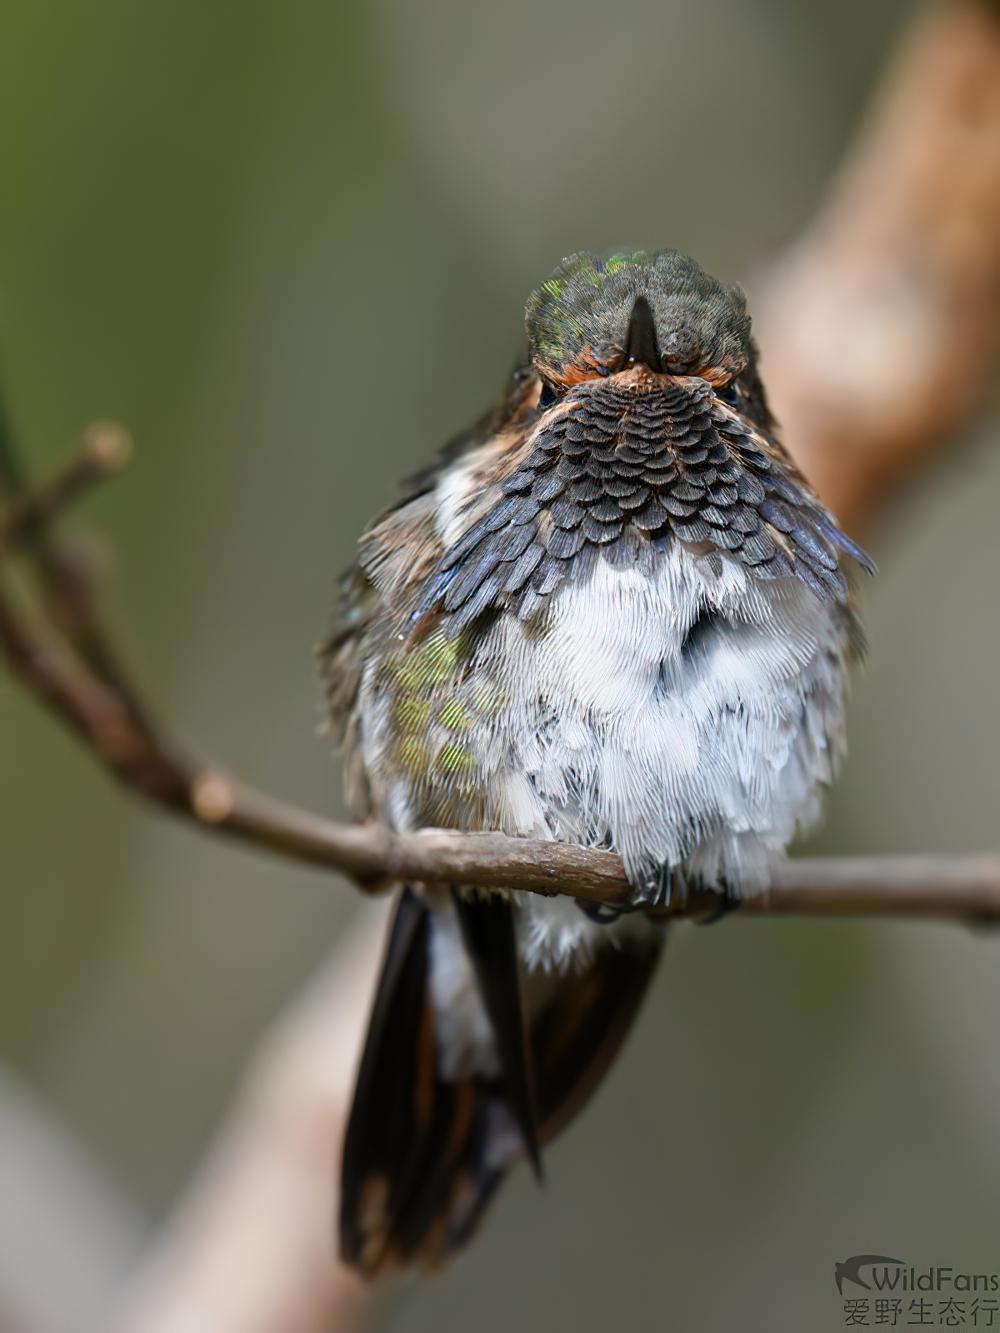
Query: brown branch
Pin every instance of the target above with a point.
(369, 854)
(134, 752)
(885, 886)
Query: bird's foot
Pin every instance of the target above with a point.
(657, 890)
(670, 886)
(605, 914)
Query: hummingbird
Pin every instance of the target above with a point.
(611, 613)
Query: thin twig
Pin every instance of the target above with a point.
(106, 450)
(67, 607)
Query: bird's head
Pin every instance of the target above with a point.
(637, 313)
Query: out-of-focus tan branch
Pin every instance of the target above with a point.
(879, 327)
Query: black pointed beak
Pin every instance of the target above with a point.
(640, 341)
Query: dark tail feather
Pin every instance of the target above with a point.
(579, 1031)
(422, 1156)
(392, 1067)
(488, 931)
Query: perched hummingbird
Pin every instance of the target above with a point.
(613, 614)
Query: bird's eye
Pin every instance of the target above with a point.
(548, 395)
(729, 394)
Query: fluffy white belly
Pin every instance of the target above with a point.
(686, 718)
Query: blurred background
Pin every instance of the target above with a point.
(289, 246)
